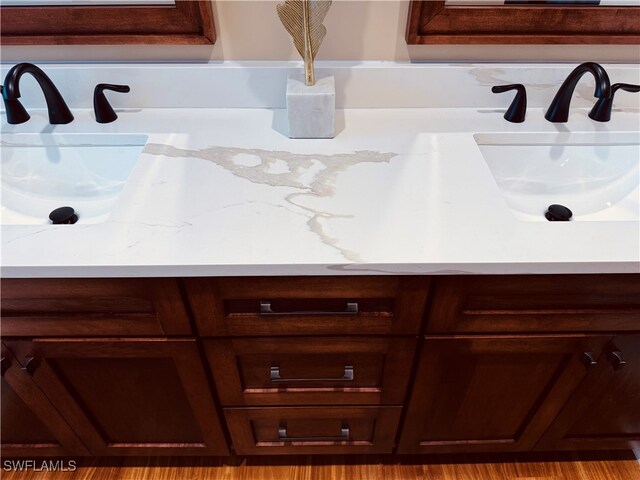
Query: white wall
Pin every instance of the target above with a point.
(357, 30)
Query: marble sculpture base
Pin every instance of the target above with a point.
(311, 110)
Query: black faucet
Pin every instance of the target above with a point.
(558, 111)
(58, 111)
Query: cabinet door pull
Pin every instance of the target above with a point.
(283, 437)
(616, 359)
(589, 359)
(350, 309)
(5, 363)
(30, 366)
(274, 374)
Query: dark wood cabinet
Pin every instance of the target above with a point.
(320, 365)
(31, 425)
(497, 393)
(604, 411)
(94, 360)
(326, 360)
(127, 396)
(527, 386)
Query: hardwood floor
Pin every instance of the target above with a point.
(594, 466)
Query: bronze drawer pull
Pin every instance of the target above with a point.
(588, 359)
(30, 365)
(5, 364)
(274, 373)
(283, 437)
(350, 309)
(617, 360)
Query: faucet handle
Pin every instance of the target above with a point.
(101, 107)
(601, 111)
(518, 108)
(627, 87)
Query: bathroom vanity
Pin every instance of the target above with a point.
(397, 289)
(292, 365)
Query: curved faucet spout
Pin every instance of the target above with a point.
(58, 110)
(559, 109)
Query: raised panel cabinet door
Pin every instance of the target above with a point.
(30, 425)
(128, 396)
(492, 394)
(604, 411)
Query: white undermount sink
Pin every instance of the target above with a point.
(595, 175)
(41, 172)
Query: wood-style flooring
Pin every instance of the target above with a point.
(594, 466)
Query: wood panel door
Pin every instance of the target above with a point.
(604, 412)
(128, 396)
(497, 393)
(30, 425)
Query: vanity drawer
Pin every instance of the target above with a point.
(92, 307)
(311, 370)
(312, 430)
(308, 305)
(535, 303)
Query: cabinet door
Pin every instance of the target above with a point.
(496, 393)
(604, 412)
(128, 396)
(30, 424)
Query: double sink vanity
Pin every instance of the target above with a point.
(397, 289)
(596, 174)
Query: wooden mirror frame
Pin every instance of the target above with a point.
(186, 22)
(431, 22)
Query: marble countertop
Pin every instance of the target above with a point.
(223, 192)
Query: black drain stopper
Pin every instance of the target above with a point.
(63, 216)
(558, 213)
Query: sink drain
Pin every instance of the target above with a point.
(558, 213)
(63, 216)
